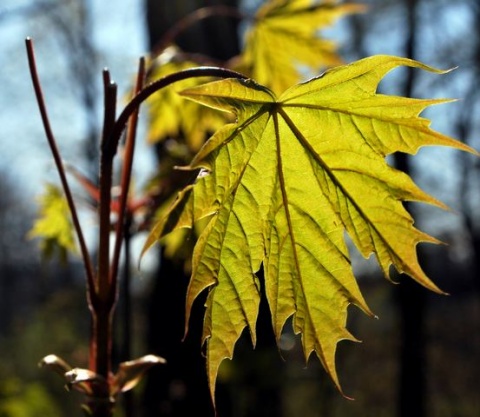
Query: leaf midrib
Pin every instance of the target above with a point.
(338, 184)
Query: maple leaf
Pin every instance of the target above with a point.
(284, 40)
(53, 225)
(281, 186)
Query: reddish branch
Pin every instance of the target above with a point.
(58, 163)
(102, 284)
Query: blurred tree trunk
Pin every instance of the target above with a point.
(470, 168)
(411, 297)
(216, 37)
(467, 130)
(180, 388)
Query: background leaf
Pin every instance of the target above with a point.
(54, 226)
(171, 116)
(284, 42)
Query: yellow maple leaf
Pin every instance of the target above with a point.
(283, 184)
(284, 40)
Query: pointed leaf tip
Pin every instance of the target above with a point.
(130, 373)
(55, 363)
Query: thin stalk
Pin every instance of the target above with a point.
(102, 315)
(112, 143)
(127, 311)
(60, 168)
(105, 185)
(122, 232)
(102, 286)
(126, 176)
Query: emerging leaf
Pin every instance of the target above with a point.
(284, 40)
(284, 184)
(54, 224)
(83, 379)
(130, 373)
(55, 364)
(69, 374)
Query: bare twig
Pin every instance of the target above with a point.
(102, 313)
(126, 175)
(59, 165)
(105, 184)
(110, 146)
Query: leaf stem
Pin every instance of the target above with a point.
(59, 165)
(112, 143)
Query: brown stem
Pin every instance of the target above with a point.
(127, 312)
(105, 185)
(101, 345)
(60, 168)
(122, 232)
(125, 180)
(101, 288)
(102, 339)
(110, 146)
(100, 404)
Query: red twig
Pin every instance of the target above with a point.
(102, 285)
(102, 314)
(105, 184)
(59, 165)
(112, 143)
(126, 176)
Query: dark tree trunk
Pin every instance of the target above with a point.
(180, 388)
(216, 36)
(411, 297)
(466, 129)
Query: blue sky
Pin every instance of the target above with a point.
(119, 37)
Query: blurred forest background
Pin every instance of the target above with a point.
(421, 358)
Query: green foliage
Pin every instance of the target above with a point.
(283, 184)
(179, 118)
(284, 40)
(26, 400)
(53, 225)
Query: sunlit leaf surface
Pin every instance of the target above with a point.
(283, 184)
